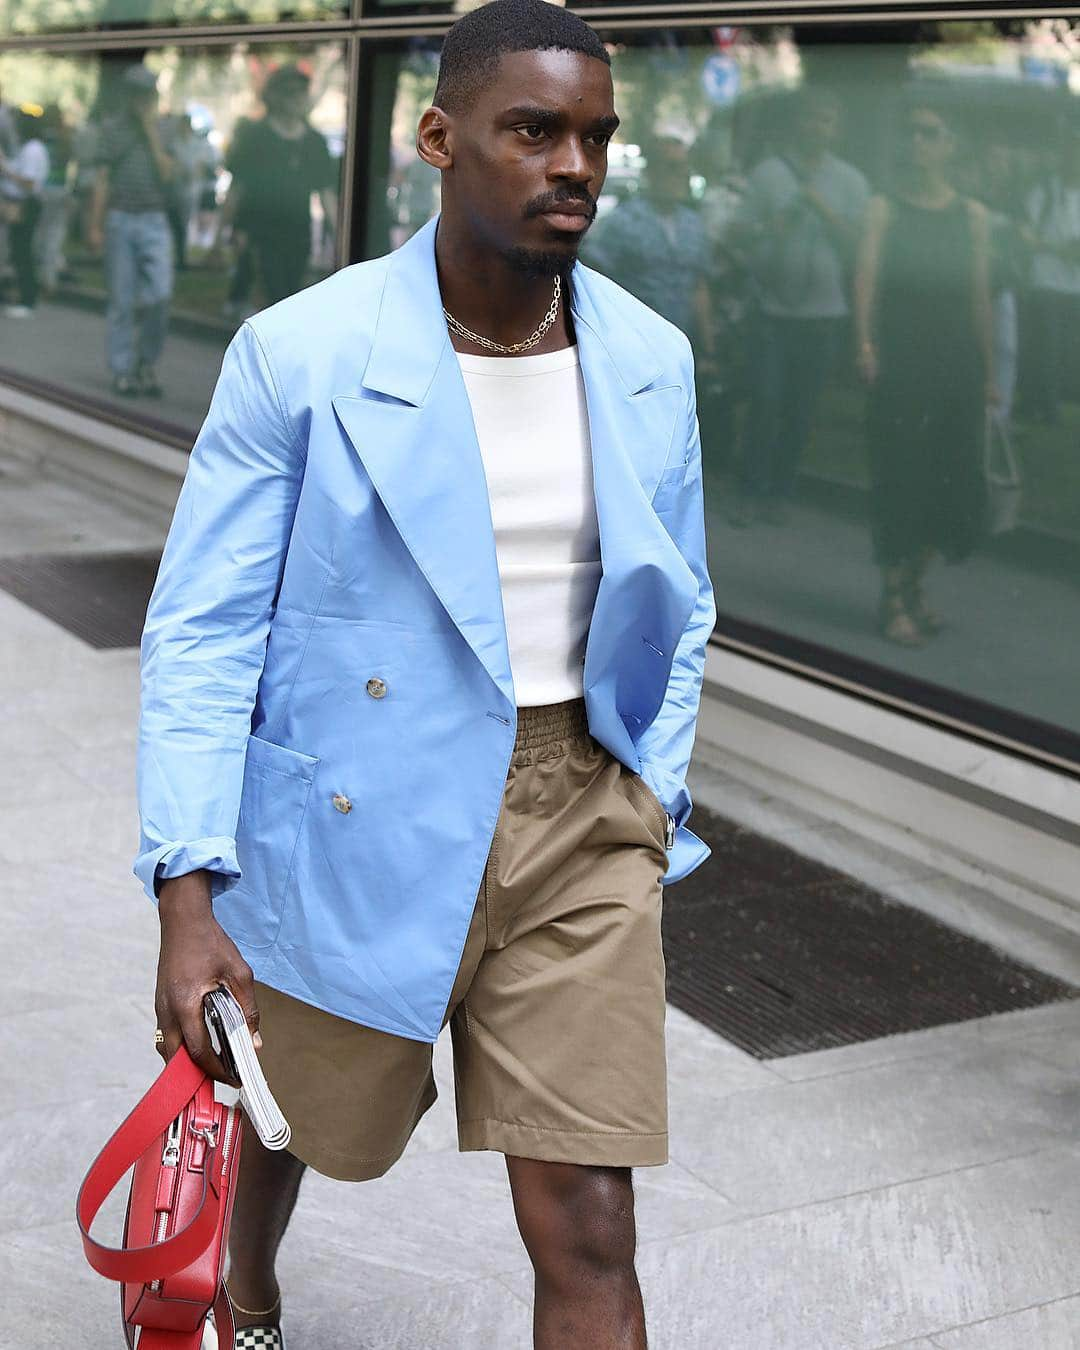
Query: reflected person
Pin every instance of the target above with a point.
(22, 178)
(798, 222)
(9, 144)
(713, 156)
(276, 162)
(654, 243)
(131, 197)
(56, 199)
(1052, 208)
(924, 347)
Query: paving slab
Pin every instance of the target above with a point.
(1050, 1326)
(780, 1147)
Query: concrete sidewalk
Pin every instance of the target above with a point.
(916, 1191)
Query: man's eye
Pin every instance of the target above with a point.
(601, 137)
(530, 127)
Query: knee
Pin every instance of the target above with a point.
(577, 1222)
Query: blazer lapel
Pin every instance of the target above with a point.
(411, 425)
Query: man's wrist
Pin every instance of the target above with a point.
(185, 894)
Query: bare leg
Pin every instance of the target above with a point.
(895, 621)
(578, 1227)
(266, 1190)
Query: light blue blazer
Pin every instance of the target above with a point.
(334, 532)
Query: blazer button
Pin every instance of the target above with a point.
(376, 687)
(342, 803)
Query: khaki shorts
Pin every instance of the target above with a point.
(557, 1012)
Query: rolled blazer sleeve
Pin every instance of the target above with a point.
(668, 742)
(204, 640)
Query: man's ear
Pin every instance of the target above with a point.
(433, 136)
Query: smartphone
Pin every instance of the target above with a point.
(218, 1039)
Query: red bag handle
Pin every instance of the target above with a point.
(166, 1098)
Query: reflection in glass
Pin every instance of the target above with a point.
(276, 162)
(23, 174)
(1051, 215)
(798, 220)
(54, 16)
(129, 216)
(653, 242)
(403, 191)
(923, 341)
(183, 192)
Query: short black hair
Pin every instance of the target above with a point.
(474, 45)
(282, 81)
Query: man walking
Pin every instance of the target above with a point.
(421, 674)
(131, 197)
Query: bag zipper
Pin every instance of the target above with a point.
(227, 1137)
(170, 1157)
(170, 1154)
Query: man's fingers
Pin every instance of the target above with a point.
(251, 1016)
(242, 987)
(197, 1040)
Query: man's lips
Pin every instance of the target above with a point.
(568, 216)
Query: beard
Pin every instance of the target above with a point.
(538, 262)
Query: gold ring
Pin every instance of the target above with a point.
(159, 1036)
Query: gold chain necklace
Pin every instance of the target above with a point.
(458, 327)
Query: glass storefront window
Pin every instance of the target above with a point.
(159, 272)
(32, 17)
(875, 249)
(402, 191)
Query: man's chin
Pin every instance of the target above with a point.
(543, 262)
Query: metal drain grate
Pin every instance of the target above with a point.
(781, 955)
(99, 597)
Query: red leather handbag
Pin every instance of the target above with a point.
(185, 1147)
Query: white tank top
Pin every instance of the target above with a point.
(533, 430)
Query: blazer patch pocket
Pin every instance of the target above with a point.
(669, 485)
(273, 802)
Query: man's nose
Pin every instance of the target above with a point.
(571, 161)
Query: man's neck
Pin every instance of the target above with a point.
(289, 127)
(483, 291)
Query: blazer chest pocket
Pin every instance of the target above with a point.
(669, 486)
(273, 802)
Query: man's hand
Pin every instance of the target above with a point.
(196, 956)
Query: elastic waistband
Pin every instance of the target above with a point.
(545, 730)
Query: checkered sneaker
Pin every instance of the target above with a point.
(259, 1338)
